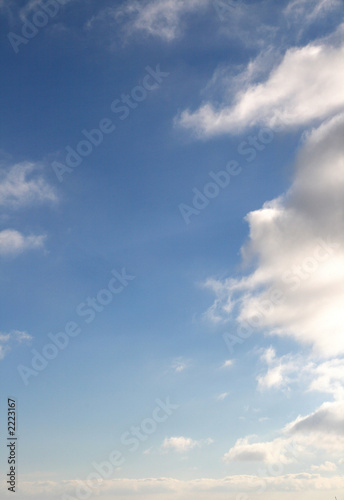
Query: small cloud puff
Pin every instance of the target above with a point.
(14, 336)
(182, 444)
(12, 242)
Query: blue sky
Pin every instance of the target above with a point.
(171, 249)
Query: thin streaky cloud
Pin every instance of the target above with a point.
(308, 11)
(158, 18)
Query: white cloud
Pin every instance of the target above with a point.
(296, 288)
(275, 377)
(223, 396)
(33, 5)
(22, 185)
(285, 451)
(3, 350)
(179, 444)
(179, 364)
(310, 374)
(276, 451)
(326, 420)
(148, 451)
(279, 370)
(12, 242)
(168, 20)
(304, 87)
(28, 8)
(14, 336)
(20, 336)
(227, 364)
(328, 377)
(321, 432)
(182, 444)
(313, 436)
(307, 11)
(325, 467)
(4, 337)
(160, 18)
(288, 487)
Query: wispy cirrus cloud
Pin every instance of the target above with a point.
(16, 11)
(159, 18)
(167, 19)
(306, 12)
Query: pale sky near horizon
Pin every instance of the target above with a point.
(172, 248)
